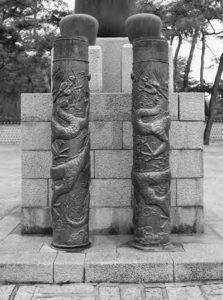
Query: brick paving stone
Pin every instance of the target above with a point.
(184, 293)
(183, 284)
(109, 293)
(25, 292)
(78, 290)
(154, 285)
(131, 292)
(154, 294)
(116, 291)
(6, 291)
(66, 297)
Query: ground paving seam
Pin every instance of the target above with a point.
(54, 267)
(203, 293)
(84, 270)
(173, 277)
(210, 227)
(143, 292)
(14, 292)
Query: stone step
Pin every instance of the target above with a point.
(111, 260)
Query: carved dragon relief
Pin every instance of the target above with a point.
(70, 171)
(151, 174)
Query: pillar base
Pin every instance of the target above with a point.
(170, 247)
(71, 248)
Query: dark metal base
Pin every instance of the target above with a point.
(170, 247)
(72, 249)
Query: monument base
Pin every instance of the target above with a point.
(170, 247)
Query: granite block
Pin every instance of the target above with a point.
(34, 192)
(113, 163)
(36, 107)
(186, 163)
(191, 106)
(36, 136)
(36, 164)
(114, 220)
(110, 192)
(106, 135)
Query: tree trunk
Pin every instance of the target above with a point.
(202, 60)
(213, 102)
(176, 58)
(35, 16)
(189, 61)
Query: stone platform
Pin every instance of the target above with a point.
(30, 259)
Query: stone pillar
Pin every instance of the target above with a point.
(171, 83)
(95, 69)
(70, 170)
(151, 122)
(127, 68)
(52, 51)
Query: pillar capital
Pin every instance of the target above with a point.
(79, 25)
(143, 26)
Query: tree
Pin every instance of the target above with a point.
(186, 20)
(179, 76)
(27, 31)
(213, 102)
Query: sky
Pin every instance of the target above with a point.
(214, 50)
(70, 3)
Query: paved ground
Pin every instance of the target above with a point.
(186, 291)
(213, 186)
(9, 220)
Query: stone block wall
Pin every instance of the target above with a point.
(111, 162)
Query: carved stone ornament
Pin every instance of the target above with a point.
(70, 170)
(151, 123)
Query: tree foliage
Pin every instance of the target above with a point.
(27, 31)
(190, 20)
